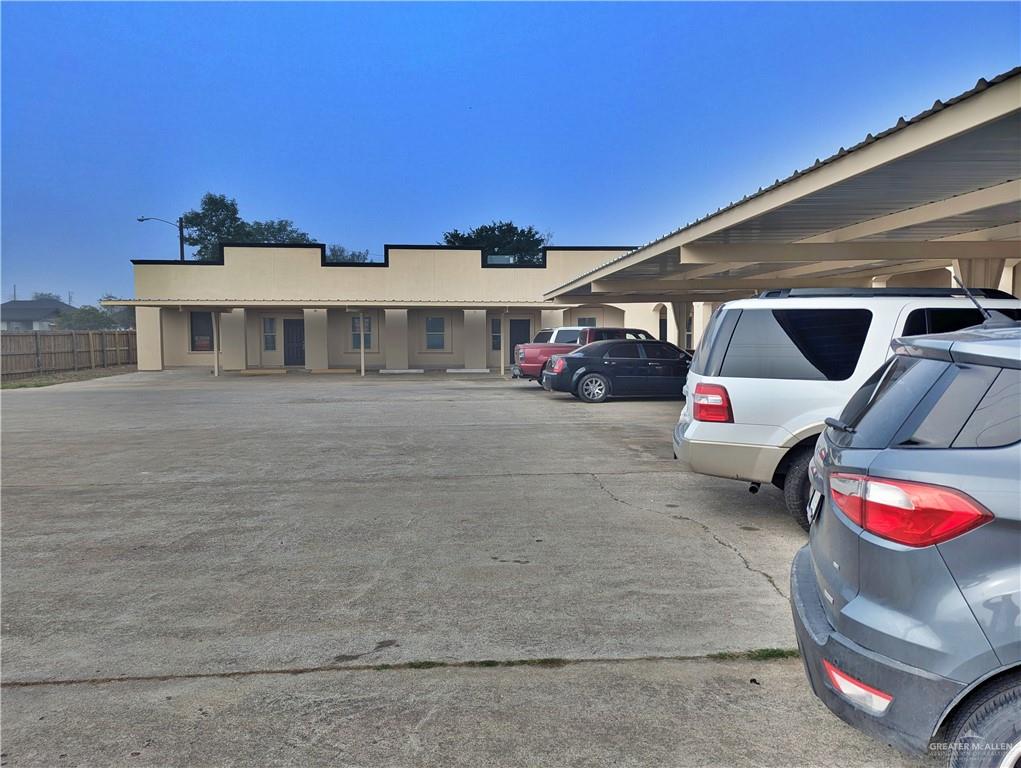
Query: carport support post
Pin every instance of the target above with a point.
(361, 340)
(216, 343)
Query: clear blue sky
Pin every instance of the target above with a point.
(365, 124)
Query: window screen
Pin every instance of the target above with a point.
(806, 344)
(435, 333)
(588, 322)
(628, 349)
(495, 331)
(356, 335)
(996, 420)
(269, 334)
(201, 331)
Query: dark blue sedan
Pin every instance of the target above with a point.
(615, 368)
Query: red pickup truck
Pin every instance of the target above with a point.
(530, 359)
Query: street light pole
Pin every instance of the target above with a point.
(180, 230)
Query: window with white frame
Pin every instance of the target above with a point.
(269, 334)
(435, 334)
(494, 334)
(587, 322)
(356, 332)
(689, 326)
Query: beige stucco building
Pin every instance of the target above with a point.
(424, 307)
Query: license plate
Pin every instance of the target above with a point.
(814, 505)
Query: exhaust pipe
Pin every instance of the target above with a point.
(754, 487)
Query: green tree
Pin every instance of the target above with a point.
(278, 231)
(338, 254)
(90, 318)
(518, 245)
(46, 295)
(122, 317)
(217, 220)
(85, 318)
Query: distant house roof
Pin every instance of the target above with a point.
(33, 309)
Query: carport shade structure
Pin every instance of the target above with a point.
(941, 189)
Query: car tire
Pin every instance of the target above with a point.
(993, 717)
(593, 388)
(796, 487)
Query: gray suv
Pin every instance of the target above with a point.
(907, 599)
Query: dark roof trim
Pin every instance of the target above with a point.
(233, 244)
(902, 123)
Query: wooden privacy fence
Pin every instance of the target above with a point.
(33, 352)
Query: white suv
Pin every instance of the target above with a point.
(769, 371)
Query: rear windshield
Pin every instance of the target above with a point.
(542, 337)
(877, 410)
(805, 344)
(919, 403)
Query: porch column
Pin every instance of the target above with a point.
(317, 356)
(395, 335)
(979, 273)
(216, 342)
(234, 346)
(149, 338)
(680, 312)
(475, 335)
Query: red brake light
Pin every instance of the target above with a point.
(711, 403)
(915, 514)
(559, 364)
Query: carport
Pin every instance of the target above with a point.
(935, 192)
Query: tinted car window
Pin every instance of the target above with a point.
(899, 388)
(542, 337)
(662, 351)
(700, 360)
(805, 344)
(996, 420)
(627, 349)
(942, 413)
(569, 336)
(641, 335)
(599, 334)
(947, 319)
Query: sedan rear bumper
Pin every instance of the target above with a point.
(919, 697)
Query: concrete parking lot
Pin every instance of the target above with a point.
(431, 571)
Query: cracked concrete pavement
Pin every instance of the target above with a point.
(191, 533)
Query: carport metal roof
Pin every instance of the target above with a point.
(940, 187)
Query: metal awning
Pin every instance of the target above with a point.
(936, 190)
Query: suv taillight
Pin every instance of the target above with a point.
(559, 364)
(711, 403)
(915, 514)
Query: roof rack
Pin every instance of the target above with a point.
(802, 293)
